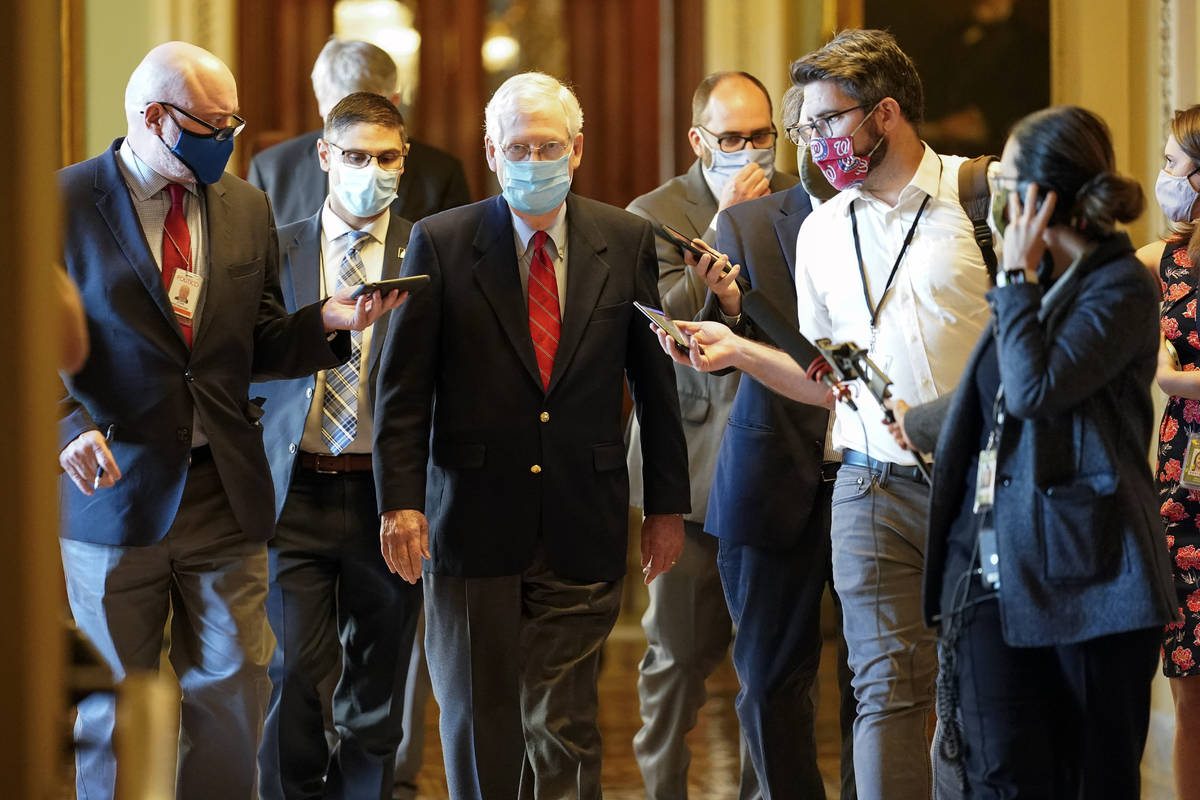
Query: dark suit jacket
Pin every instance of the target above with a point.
(459, 359)
(291, 175)
(687, 204)
(288, 402)
(1078, 532)
(140, 374)
(769, 465)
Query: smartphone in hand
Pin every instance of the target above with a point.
(679, 240)
(660, 319)
(412, 284)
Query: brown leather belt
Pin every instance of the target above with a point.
(332, 465)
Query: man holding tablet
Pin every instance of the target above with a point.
(327, 579)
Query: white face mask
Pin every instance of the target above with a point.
(1176, 195)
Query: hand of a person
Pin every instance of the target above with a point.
(710, 269)
(1168, 357)
(1023, 242)
(404, 541)
(343, 313)
(899, 409)
(662, 543)
(750, 182)
(712, 346)
(83, 456)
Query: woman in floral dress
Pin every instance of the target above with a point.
(1178, 474)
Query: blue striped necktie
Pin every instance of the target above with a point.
(339, 419)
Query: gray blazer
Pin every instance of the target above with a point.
(687, 205)
(1079, 537)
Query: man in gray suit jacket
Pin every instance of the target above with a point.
(687, 623)
(328, 581)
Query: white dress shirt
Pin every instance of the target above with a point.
(932, 315)
(334, 245)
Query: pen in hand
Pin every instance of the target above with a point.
(100, 469)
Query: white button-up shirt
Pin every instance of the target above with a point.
(931, 316)
(333, 249)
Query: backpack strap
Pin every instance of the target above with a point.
(976, 200)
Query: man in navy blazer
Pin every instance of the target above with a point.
(328, 582)
(508, 372)
(175, 525)
(769, 507)
(292, 177)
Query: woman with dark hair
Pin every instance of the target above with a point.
(1173, 262)
(1044, 564)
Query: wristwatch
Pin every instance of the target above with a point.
(1008, 277)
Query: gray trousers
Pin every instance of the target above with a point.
(878, 538)
(514, 662)
(212, 583)
(688, 630)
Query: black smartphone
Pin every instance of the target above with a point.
(412, 284)
(660, 318)
(679, 240)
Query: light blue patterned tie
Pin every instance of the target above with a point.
(339, 420)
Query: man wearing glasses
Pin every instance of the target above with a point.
(328, 582)
(687, 623)
(506, 379)
(169, 511)
(890, 263)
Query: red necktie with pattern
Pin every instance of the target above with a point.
(544, 319)
(176, 248)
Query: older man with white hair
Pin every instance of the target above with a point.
(290, 172)
(513, 360)
(177, 264)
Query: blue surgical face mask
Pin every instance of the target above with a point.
(367, 191)
(536, 187)
(725, 165)
(203, 155)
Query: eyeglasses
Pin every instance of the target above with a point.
(996, 181)
(220, 134)
(822, 126)
(390, 160)
(550, 151)
(733, 142)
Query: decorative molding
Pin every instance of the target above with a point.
(1166, 66)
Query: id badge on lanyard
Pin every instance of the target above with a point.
(985, 499)
(184, 294)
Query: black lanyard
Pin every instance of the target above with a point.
(862, 270)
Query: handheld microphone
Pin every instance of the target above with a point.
(784, 333)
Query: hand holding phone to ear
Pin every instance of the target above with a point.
(1024, 244)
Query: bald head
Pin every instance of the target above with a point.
(189, 78)
(184, 74)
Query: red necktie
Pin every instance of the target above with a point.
(176, 248)
(544, 320)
